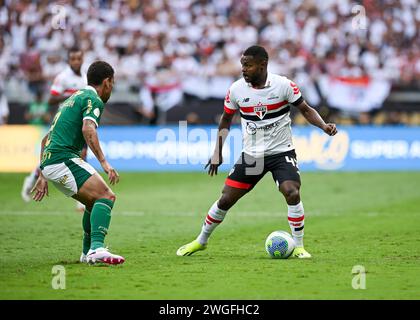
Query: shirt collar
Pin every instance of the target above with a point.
(267, 82)
(91, 88)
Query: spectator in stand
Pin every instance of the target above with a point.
(38, 111)
(202, 38)
(30, 62)
(4, 108)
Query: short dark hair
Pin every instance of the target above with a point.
(257, 52)
(73, 49)
(98, 72)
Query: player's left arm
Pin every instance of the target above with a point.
(315, 118)
(91, 137)
(41, 186)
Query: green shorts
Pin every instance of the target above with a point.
(69, 176)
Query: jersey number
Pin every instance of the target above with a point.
(54, 122)
(292, 161)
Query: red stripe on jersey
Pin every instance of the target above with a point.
(163, 88)
(213, 220)
(70, 91)
(236, 184)
(296, 219)
(229, 111)
(55, 93)
(269, 106)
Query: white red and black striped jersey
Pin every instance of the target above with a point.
(265, 114)
(67, 82)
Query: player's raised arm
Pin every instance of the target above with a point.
(91, 138)
(315, 119)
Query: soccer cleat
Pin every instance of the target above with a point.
(190, 248)
(102, 255)
(301, 253)
(28, 184)
(83, 258)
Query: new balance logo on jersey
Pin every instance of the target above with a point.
(295, 87)
(245, 100)
(260, 111)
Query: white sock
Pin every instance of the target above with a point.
(213, 219)
(296, 217)
(34, 175)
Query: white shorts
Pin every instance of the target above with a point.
(69, 176)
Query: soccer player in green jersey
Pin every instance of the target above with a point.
(74, 125)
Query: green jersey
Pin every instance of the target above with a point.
(38, 110)
(65, 137)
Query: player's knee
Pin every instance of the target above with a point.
(109, 195)
(291, 194)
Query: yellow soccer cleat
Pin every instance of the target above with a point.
(190, 248)
(301, 253)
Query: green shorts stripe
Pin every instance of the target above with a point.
(80, 174)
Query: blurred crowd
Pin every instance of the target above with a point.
(197, 43)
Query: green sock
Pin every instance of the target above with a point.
(86, 231)
(100, 219)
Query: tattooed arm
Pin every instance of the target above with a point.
(91, 138)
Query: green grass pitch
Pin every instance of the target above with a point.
(368, 219)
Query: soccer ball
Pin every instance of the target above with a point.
(279, 245)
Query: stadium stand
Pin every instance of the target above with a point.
(177, 58)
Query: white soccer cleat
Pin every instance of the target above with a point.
(28, 184)
(102, 255)
(83, 258)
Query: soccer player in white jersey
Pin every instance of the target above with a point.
(263, 100)
(67, 82)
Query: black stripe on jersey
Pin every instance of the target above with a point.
(298, 101)
(267, 116)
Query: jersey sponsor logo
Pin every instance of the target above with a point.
(245, 100)
(251, 128)
(96, 112)
(295, 87)
(260, 111)
(273, 97)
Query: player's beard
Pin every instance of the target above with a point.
(105, 99)
(76, 71)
